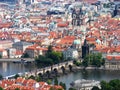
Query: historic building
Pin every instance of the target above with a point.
(112, 62)
(21, 45)
(77, 17)
(70, 53)
(85, 49)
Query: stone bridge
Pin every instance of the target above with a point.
(56, 67)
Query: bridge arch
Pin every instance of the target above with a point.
(55, 70)
(70, 67)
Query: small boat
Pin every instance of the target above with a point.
(21, 61)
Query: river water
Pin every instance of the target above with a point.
(9, 68)
(89, 75)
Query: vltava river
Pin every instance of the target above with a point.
(9, 68)
(90, 75)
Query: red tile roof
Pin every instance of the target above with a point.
(25, 84)
(62, 24)
(113, 57)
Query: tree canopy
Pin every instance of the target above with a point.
(93, 59)
(1, 88)
(25, 55)
(55, 81)
(0, 56)
(16, 76)
(111, 85)
(63, 85)
(50, 58)
(1, 77)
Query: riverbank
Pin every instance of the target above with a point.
(15, 59)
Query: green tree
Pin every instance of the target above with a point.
(63, 85)
(72, 89)
(1, 88)
(48, 61)
(16, 76)
(111, 85)
(77, 63)
(97, 59)
(96, 62)
(85, 62)
(0, 56)
(56, 56)
(95, 88)
(31, 77)
(42, 61)
(52, 88)
(49, 51)
(25, 55)
(55, 81)
(17, 89)
(105, 86)
(115, 84)
(1, 77)
(49, 81)
(93, 59)
(38, 78)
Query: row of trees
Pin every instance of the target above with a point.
(94, 59)
(112, 85)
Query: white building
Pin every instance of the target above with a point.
(85, 84)
(21, 45)
(11, 52)
(3, 53)
(70, 53)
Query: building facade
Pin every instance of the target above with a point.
(21, 45)
(112, 62)
(77, 17)
(35, 52)
(70, 53)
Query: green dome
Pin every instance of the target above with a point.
(76, 42)
(98, 41)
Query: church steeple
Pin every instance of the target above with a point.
(85, 49)
(85, 42)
